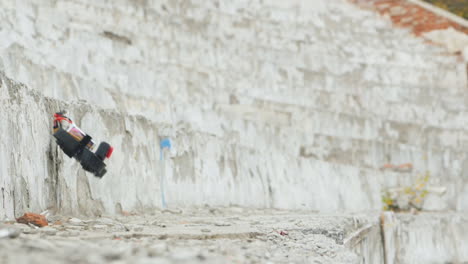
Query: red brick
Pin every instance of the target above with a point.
(422, 20)
(35, 219)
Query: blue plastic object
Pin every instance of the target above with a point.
(165, 143)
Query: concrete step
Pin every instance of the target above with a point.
(425, 237)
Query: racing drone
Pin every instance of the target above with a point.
(77, 144)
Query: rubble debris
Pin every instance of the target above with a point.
(49, 231)
(222, 224)
(75, 221)
(194, 237)
(8, 232)
(126, 213)
(34, 219)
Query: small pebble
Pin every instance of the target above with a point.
(75, 221)
(49, 231)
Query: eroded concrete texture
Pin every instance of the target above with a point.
(277, 104)
(428, 237)
(206, 235)
(36, 175)
(268, 104)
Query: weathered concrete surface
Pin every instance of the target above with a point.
(289, 105)
(428, 237)
(207, 235)
(435, 24)
(36, 175)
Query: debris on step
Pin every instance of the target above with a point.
(34, 219)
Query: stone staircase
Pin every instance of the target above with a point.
(285, 104)
(281, 101)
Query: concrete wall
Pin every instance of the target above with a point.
(36, 175)
(291, 104)
(426, 238)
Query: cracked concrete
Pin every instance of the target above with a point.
(276, 104)
(39, 177)
(246, 100)
(204, 235)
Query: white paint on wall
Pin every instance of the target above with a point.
(287, 104)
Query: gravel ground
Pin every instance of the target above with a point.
(206, 235)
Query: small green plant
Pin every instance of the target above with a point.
(389, 202)
(406, 198)
(458, 7)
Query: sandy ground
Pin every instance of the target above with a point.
(206, 235)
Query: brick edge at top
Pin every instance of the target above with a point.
(408, 14)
